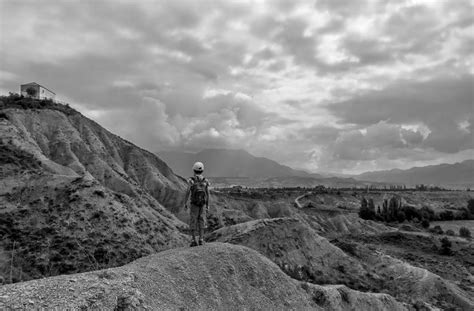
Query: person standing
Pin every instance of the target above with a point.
(198, 195)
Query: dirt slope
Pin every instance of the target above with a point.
(407, 282)
(53, 224)
(74, 197)
(213, 277)
(305, 255)
(298, 250)
(73, 145)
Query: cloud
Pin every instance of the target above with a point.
(440, 104)
(327, 85)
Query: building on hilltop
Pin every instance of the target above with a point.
(35, 90)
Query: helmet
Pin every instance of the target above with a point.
(198, 167)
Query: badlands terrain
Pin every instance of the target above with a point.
(91, 221)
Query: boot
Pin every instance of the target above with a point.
(201, 236)
(193, 241)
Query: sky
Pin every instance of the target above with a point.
(327, 85)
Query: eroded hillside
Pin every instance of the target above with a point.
(217, 276)
(74, 197)
(305, 255)
(71, 144)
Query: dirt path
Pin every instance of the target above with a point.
(297, 200)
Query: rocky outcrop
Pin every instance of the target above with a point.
(212, 277)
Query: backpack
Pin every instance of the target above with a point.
(198, 191)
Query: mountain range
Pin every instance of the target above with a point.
(229, 163)
(223, 164)
(442, 174)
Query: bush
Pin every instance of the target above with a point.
(464, 232)
(401, 216)
(411, 212)
(450, 232)
(366, 213)
(427, 212)
(437, 230)
(446, 246)
(446, 215)
(425, 223)
(17, 101)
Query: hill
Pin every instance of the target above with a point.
(216, 276)
(228, 163)
(305, 255)
(75, 197)
(458, 174)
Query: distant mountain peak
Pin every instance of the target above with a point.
(220, 162)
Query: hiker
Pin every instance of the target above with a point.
(198, 191)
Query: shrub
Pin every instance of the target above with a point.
(427, 212)
(100, 193)
(445, 246)
(17, 101)
(446, 215)
(31, 91)
(366, 213)
(425, 223)
(464, 232)
(450, 232)
(437, 230)
(401, 216)
(411, 212)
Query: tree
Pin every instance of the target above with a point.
(391, 209)
(371, 205)
(363, 203)
(365, 212)
(31, 91)
(464, 232)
